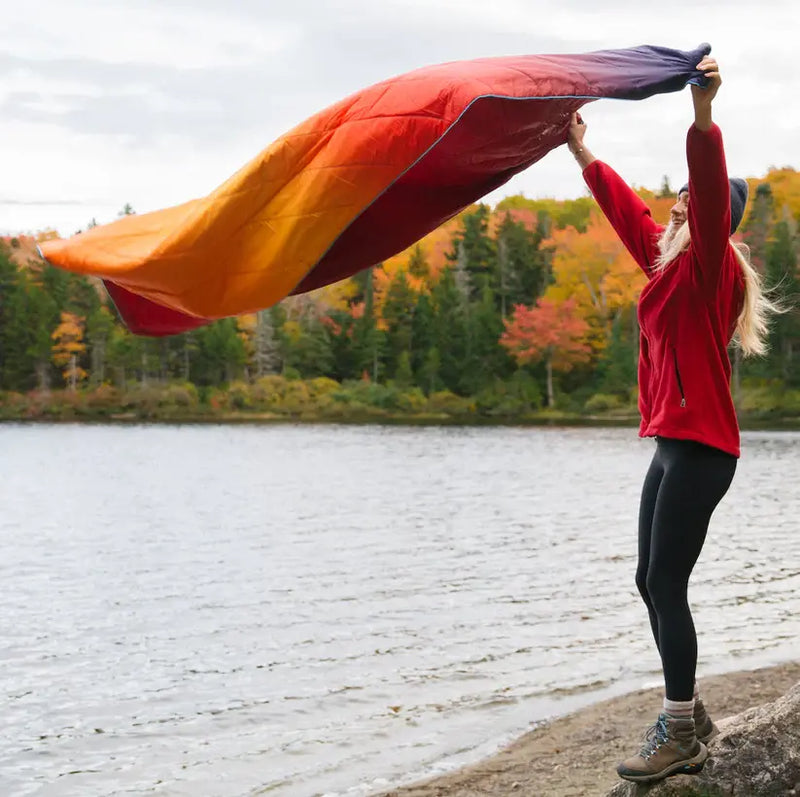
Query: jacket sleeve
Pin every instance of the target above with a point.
(709, 202)
(626, 211)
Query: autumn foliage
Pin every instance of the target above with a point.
(552, 332)
(596, 272)
(68, 347)
(498, 311)
(547, 331)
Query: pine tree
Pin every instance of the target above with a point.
(368, 340)
(756, 234)
(42, 317)
(422, 337)
(418, 264)
(306, 344)
(783, 281)
(398, 317)
(474, 252)
(8, 280)
(485, 358)
(428, 375)
(522, 265)
(17, 335)
(220, 353)
(99, 327)
(403, 375)
(123, 354)
(616, 369)
(449, 329)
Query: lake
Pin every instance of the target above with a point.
(330, 610)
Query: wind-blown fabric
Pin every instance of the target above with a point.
(355, 184)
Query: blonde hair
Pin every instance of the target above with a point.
(752, 325)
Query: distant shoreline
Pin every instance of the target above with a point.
(367, 419)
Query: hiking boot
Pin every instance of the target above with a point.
(670, 748)
(704, 727)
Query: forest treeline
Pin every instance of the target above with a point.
(512, 312)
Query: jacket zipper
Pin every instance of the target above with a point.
(678, 375)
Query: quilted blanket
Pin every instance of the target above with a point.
(355, 184)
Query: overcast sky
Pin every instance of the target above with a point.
(154, 102)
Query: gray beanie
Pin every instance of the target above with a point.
(738, 200)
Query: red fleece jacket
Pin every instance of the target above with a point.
(688, 312)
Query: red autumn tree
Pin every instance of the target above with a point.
(550, 331)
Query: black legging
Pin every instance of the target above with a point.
(684, 484)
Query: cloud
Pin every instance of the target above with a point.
(334, 54)
(157, 102)
(122, 33)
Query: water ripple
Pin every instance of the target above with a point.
(272, 610)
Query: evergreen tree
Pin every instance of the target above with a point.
(616, 368)
(460, 274)
(99, 326)
(485, 358)
(8, 297)
(17, 336)
(417, 263)
(8, 280)
(755, 232)
(423, 339)
(522, 265)
(187, 343)
(783, 281)
(341, 333)
(449, 329)
(123, 355)
(28, 315)
(220, 353)
(474, 251)
(42, 319)
(398, 317)
(306, 345)
(367, 340)
(428, 375)
(83, 295)
(404, 376)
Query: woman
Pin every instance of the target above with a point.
(701, 291)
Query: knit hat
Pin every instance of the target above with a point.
(738, 200)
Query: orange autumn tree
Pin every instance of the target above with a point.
(595, 270)
(68, 347)
(551, 331)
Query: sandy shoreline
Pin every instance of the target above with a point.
(576, 755)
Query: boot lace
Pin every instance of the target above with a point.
(654, 737)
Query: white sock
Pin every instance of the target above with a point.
(682, 709)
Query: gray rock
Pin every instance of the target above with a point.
(757, 754)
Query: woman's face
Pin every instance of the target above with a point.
(679, 211)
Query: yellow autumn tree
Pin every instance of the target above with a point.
(595, 270)
(246, 327)
(785, 185)
(69, 345)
